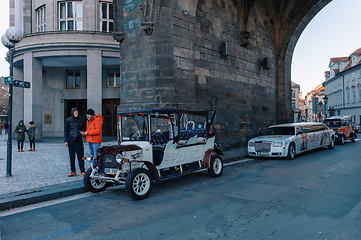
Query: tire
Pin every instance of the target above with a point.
(139, 184)
(216, 166)
(342, 140)
(353, 139)
(332, 143)
(92, 184)
(291, 154)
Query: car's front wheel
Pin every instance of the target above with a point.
(92, 184)
(216, 166)
(342, 140)
(332, 143)
(291, 154)
(353, 139)
(139, 184)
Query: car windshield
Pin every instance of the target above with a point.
(333, 123)
(135, 128)
(280, 131)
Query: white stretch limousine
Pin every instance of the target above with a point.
(287, 140)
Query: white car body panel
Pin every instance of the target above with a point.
(303, 141)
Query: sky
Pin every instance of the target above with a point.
(333, 32)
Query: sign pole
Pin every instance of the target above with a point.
(9, 147)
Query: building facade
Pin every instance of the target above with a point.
(296, 102)
(343, 86)
(70, 58)
(315, 105)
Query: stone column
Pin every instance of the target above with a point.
(94, 80)
(33, 96)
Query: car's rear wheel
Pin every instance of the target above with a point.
(139, 184)
(332, 143)
(216, 166)
(353, 139)
(92, 184)
(342, 140)
(291, 154)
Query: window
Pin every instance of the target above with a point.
(106, 17)
(70, 16)
(113, 78)
(40, 14)
(73, 78)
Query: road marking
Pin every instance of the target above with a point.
(43, 204)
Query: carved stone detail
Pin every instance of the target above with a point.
(119, 36)
(148, 16)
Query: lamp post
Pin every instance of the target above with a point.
(320, 111)
(13, 35)
(306, 111)
(325, 100)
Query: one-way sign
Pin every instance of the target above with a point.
(22, 84)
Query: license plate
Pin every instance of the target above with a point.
(263, 154)
(110, 170)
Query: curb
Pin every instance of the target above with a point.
(40, 195)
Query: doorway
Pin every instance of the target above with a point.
(79, 104)
(110, 117)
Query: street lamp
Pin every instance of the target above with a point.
(320, 111)
(325, 100)
(13, 35)
(306, 111)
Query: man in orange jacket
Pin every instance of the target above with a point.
(93, 131)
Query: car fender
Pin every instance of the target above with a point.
(208, 156)
(152, 169)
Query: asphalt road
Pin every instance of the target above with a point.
(315, 196)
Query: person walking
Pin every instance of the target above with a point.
(31, 134)
(6, 126)
(93, 131)
(73, 140)
(20, 130)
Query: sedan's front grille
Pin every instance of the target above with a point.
(108, 161)
(262, 146)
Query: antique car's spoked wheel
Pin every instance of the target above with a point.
(139, 184)
(92, 184)
(216, 166)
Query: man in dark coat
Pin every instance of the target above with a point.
(73, 140)
(20, 130)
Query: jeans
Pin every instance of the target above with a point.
(21, 144)
(93, 147)
(32, 142)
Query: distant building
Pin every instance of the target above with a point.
(343, 86)
(296, 102)
(70, 58)
(314, 105)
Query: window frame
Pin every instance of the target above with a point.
(114, 78)
(41, 22)
(109, 21)
(76, 20)
(74, 78)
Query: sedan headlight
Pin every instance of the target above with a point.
(251, 144)
(278, 144)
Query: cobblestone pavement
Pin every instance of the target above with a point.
(48, 165)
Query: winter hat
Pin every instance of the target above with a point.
(90, 112)
(21, 121)
(31, 122)
(72, 111)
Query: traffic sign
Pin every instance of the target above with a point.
(8, 80)
(22, 84)
(318, 115)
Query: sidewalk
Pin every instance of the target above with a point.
(43, 175)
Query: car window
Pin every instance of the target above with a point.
(280, 131)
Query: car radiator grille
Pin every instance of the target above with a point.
(262, 146)
(108, 161)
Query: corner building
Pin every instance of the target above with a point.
(70, 58)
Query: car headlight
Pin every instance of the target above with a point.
(119, 158)
(278, 144)
(251, 144)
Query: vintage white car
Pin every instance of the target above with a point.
(152, 145)
(288, 140)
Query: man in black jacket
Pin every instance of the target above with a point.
(73, 140)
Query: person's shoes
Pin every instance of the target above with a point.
(71, 174)
(22, 150)
(18, 150)
(30, 150)
(83, 173)
(33, 149)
